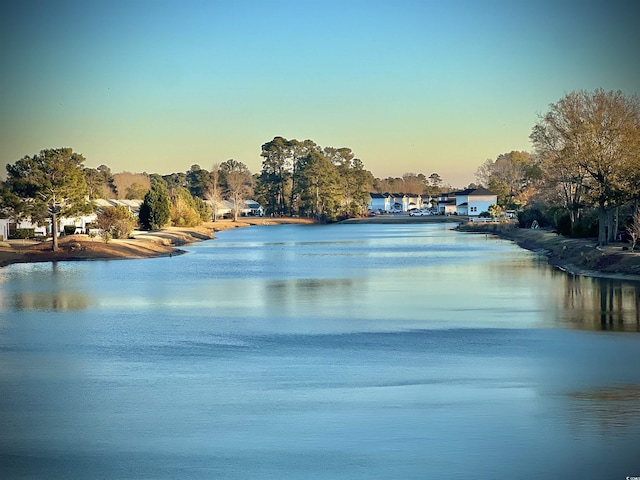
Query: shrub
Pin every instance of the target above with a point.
(22, 233)
(69, 229)
(118, 221)
(563, 224)
(586, 226)
(526, 218)
(183, 214)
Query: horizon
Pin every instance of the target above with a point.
(410, 87)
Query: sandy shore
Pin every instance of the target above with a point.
(159, 243)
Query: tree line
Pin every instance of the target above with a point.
(583, 177)
(297, 178)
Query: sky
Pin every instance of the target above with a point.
(410, 86)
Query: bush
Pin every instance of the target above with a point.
(485, 215)
(22, 233)
(69, 229)
(526, 218)
(183, 214)
(563, 224)
(587, 225)
(118, 221)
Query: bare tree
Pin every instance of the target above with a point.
(239, 183)
(213, 190)
(634, 229)
(595, 134)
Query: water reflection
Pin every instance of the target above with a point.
(55, 301)
(609, 409)
(45, 286)
(601, 304)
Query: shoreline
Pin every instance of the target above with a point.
(142, 244)
(573, 256)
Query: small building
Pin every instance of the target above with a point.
(220, 208)
(412, 201)
(446, 204)
(253, 209)
(9, 225)
(380, 201)
(474, 201)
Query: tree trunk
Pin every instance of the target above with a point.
(611, 234)
(573, 216)
(602, 224)
(54, 231)
(616, 224)
(236, 203)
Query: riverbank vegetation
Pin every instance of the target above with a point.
(581, 180)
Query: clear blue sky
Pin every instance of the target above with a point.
(409, 86)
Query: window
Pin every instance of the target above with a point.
(474, 209)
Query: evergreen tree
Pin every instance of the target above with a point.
(155, 210)
(49, 184)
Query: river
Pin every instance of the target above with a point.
(319, 352)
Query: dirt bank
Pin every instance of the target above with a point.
(575, 255)
(159, 243)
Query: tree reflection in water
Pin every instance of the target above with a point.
(609, 409)
(601, 304)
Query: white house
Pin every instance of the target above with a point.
(474, 201)
(403, 201)
(446, 204)
(411, 201)
(398, 201)
(80, 222)
(8, 224)
(252, 208)
(380, 201)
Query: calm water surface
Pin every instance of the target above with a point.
(343, 351)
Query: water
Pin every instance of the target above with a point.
(343, 351)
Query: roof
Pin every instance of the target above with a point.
(481, 191)
(475, 191)
(133, 205)
(465, 204)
